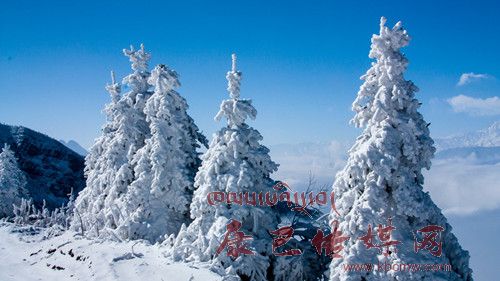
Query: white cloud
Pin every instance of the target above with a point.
(475, 106)
(461, 186)
(297, 161)
(467, 78)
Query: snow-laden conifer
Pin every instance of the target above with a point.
(109, 169)
(100, 169)
(12, 182)
(383, 176)
(234, 162)
(157, 202)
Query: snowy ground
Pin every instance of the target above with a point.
(31, 257)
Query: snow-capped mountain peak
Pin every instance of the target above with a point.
(76, 147)
(488, 137)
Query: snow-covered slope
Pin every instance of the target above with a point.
(76, 147)
(27, 257)
(486, 138)
(51, 168)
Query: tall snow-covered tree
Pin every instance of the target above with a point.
(109, 167)
(383, 176)
(12, 182)
(158, 200)
(234, 162)
(99, 167)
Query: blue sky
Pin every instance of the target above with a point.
(301, 63)
(301, 60)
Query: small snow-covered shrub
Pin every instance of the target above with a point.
(26, 213)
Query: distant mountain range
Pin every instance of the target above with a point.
(323, 160)
(54, 167)
(473, 155)
(489, 137)
(76, 147)
(51, 168)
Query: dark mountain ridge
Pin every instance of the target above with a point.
(51, 168)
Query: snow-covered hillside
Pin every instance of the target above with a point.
(26, 255)
(486, 138)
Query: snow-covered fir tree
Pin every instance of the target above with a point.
(158, 200)
(234, 162)
(109, 170)
(308, 266)
(12, 182)
(383, 177)
(89, 212)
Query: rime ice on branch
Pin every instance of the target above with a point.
(113, 89)
(233, 80)
(235, 110)
(383, 175)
